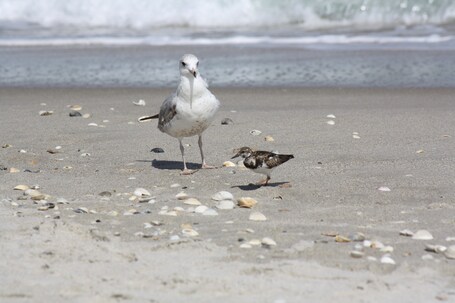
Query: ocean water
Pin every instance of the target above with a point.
(241, 43)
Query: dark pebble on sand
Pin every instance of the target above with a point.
(227, 121)
(74, 113)
(157, 150)
(3, 167)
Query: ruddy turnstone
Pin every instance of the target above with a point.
(261, 162)
(190, 110)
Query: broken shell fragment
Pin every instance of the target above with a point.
(386, 259)
(46, 112)
(257, 216)
(246, 202)
(269, 138)
(181, 196)
(268, 242)
(342, 239)
(200, 209)
(435, 248)
(222, 195)
(255, 132)
(406, 233)
(190, 232)
(140, 192)
(192, 201)
(228, 164)
(21, 187)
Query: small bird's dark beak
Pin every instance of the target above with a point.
(194, 73)
(237, 153)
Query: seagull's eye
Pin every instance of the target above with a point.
(183, 63)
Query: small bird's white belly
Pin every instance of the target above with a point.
(263, 170)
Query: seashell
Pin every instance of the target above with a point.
(105, 194)
(384, 188)
(210, 212)
(357, 237)
(222, 195)
(406, 233)
(174, 185)
(46, 112)
(86, 116)
(157, 150)
(257, 216)
(387, 249)
(227, 121)
(192, 201)
(268, 242)
(269, 138)
(85, 155)
(74, 113)
(376, 244)
(356, 136)
(245, 245)
(113, 213)
(225, 204)
(331, 116)
(255, 242)
(178, 208)
(255, 132)
(75, 107)
(14, 170)
(342, 239)
(435, 248)
(139, 103)
(140, 192)
(356, 254)
(448, 239)
(81, 210)
(450, 252)
(190, 232)
(181, 196)
(386, 259)
(174, 238)
(21, 187)
(355, 133)
(246, 202)
(330, 122)
(228, 164)
(92, 124)
(422, 235)
(420, 151)
(200, 209)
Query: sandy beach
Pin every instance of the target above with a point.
(92, 240)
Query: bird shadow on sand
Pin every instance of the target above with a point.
(252, 186)
(174, 165)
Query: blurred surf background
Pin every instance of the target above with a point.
(241, 43)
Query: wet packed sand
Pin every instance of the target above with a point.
(89, 238)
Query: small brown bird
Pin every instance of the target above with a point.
(261, 162)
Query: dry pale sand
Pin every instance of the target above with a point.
(406, 143)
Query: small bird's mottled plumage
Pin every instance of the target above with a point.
(190, 110)
(262, 162)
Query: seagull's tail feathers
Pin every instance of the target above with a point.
(148, 118)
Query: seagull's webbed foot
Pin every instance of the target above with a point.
(187, 172)
(263, 182)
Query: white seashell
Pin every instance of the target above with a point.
(356, 254)
(14, 170)
(200, 209)
(178, 208)
(448, 239)
(356, 136)
(330, 122)
(269, 138)
(355, 133)
(331, 116)
(190, 232)
(148, 225)
(255, 242)
(450, 252)
(255, 132)
(141, 192)
(46, 112)
(174, 185)
(376, 244)
(210, 212)
(181, 196)
(86, 116)
(406, 233)
(268, 242)
(21, 187)
(435, 248)
(139, 103)
(228, 164)
(113, 213)
(246, 202)
(92, 124)
(386, 259)
(174, 238)
(257, 216)
(420, 151)
(192, 201)
(427, 257)
(387, 249)
(23, 151)
(75, 107)
(225, 204)
(83, 210)
(245, 245)
(85, 155)
(222, 195)
(384, 188)
(422, 235)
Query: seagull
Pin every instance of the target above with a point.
(190, 110)
(261, 162)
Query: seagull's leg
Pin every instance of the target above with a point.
(204, 165)
(185, 170)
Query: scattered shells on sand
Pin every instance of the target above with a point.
(227, 121)
(139, 103)
(246, 202)
(222, 195)
(257, 216)
(406, 233)
(268, 242)
(225, 204)
(228, 164)
(384, 188)
(269, 139)
(255, 132)
(330, 122)
(192, 201)
(21, 187)
(450, 252)
(181, 196)
(200, 209)
(140, 192)
(422, 235)
(387, 259)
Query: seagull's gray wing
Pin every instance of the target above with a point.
(167, 112)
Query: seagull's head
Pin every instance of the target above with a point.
(188, 66)
(243, 152)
